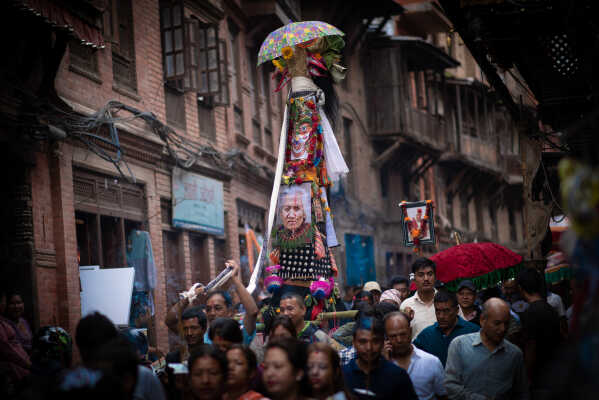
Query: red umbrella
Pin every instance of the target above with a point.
(485, 264)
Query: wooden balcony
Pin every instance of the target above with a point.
(406, 92)
(425, 129)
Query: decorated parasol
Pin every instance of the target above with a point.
(293, 34)
(485, 264)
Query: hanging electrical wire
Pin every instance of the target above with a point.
(100, 134)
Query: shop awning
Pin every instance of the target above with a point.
(59, 17)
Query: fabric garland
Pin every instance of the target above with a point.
(487, 280)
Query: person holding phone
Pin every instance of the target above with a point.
(425, 370)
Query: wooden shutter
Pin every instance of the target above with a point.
(222, 98)
(192, 28)
(173, 41)
(209, 60)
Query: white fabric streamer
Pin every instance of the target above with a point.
(336, 166)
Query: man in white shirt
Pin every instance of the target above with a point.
(421, 303)
(555, 301)
(425, 370)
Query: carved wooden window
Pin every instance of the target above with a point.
(190, 51)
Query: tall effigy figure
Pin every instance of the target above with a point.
(297, 255)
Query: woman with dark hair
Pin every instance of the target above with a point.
(14, 360)
(242, 370)
(281, 327)
(225, 332)
(284, 365)
(15, 308)
(208, 371)
(324, 371)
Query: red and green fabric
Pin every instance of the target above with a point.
(558, 273)
(485, 264)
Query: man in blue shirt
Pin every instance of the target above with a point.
(436, 338)
(484, 365)
(370, 376)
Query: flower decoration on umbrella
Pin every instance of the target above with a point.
(278, 47)
(293, 34)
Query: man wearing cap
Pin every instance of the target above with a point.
(391, 296)
(466, 295)
(374, 288)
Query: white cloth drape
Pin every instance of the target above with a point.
(336, 166)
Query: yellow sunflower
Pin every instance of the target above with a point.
(287, 52)
(277, 64)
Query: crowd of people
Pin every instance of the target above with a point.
(428, 344)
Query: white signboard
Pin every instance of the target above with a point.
(107, 291)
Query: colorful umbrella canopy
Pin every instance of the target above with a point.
(292, 34)
(485, 264)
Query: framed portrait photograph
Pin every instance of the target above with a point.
(417, 223)
(294, 207)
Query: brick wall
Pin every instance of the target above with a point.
(87, 92)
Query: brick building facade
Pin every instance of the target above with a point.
(82, 210)
(69, 207)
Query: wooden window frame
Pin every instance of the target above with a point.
(200, 44)
(168, 32)
(104, 199)
(119, 58)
